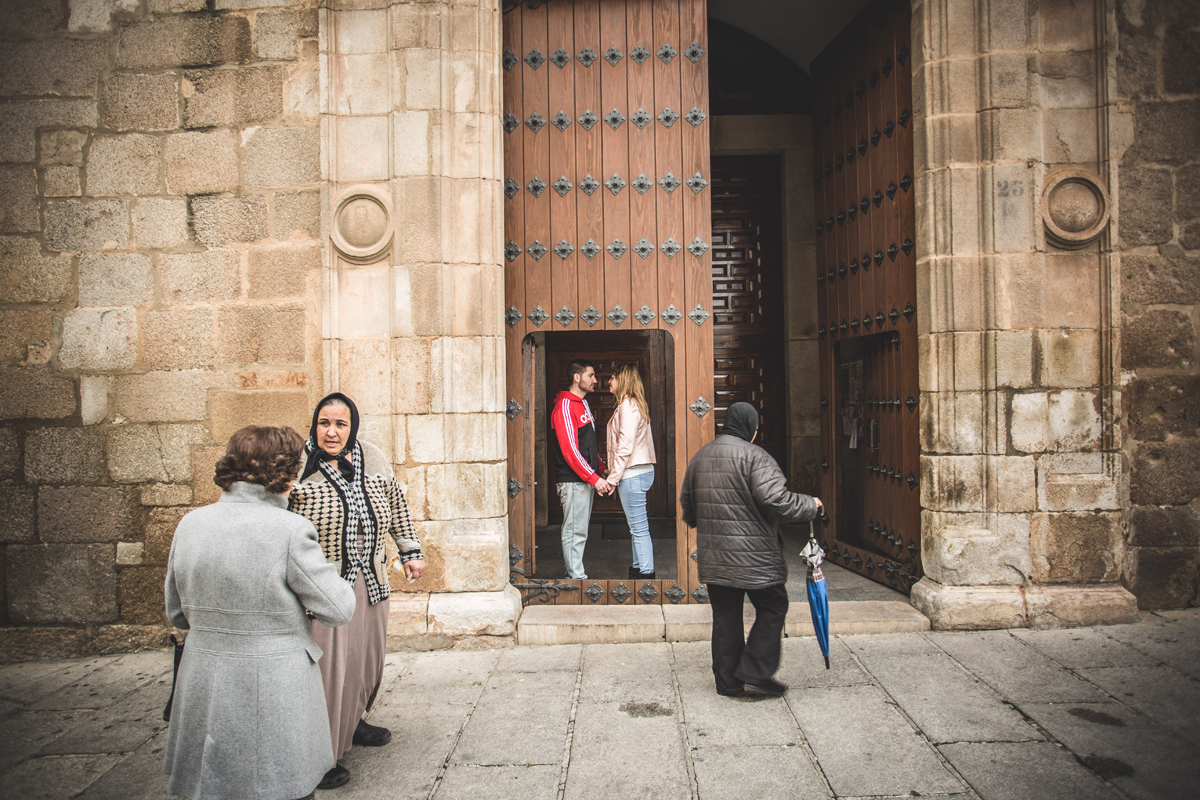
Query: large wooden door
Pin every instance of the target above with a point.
(866, 285)
(748, 294)
(607, 223)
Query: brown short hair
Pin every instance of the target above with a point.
(269, 457)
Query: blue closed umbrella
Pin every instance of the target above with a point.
(818, 594)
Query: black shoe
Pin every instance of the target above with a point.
(770, 686)
(734, 693)
(634, 573)
(645, 576)
(338, 776)
(371, 735)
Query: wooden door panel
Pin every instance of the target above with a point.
(600, 64)
(866, 279)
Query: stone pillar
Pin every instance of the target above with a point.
(1024, 487)
(414, 288)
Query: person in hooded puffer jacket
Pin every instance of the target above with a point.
(735, 495)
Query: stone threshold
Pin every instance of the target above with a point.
(546, 624)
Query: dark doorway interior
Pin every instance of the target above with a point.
(747, 275)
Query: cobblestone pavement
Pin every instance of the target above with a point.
(1083, 713)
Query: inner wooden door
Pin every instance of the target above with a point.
(866, 287)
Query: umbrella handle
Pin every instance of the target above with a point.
(826, 662)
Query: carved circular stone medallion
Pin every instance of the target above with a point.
(361, 223)
(1075, 208)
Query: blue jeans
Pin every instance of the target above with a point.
(632, 491)
(576, 499)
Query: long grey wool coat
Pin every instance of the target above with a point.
(249, 718)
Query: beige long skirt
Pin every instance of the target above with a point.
(352, 665)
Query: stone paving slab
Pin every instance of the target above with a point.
(1019, 771)
(1086, 713)
(1123, 747)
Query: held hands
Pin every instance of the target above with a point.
(603, 487)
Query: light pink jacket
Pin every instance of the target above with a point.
(629, 440)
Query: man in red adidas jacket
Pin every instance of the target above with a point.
(577, 464)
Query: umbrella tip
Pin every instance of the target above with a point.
(826, 662)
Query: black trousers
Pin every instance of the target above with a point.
(737, 658)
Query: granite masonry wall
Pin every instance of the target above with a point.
(1158, 97)
(160, 258)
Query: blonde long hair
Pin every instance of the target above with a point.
(629, 385)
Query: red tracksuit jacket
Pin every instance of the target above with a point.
(576, 455)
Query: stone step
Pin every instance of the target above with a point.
(546, 624)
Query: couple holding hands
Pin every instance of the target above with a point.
(578, 467)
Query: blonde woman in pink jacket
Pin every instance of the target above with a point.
(631, 462)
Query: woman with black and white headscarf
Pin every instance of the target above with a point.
(348, 492)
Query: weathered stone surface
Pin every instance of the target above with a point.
(1165, 473)
(1165, 577)
(1160, 279)
(185, 41)
(407, 615)
(1157, 339)
(93, 398)
(125, 164)
(87, 225)
(140, 102)
(28, 276)
(217, 97)
(67, 67)
(99, 338)
(39, 644)
(62, 181)
(466, 490)
(297, 215)
(130, 554)
(35, 392)
(63, 147)
(204, 490)
(1164, 526)
(160, 222)
(27, 18)
(275, 157)
(233, 411)
(282, 271)
(17, 504)
(61, 583)
(201, 162)
(116, 279)
(1159, 406)
(141, 595)
(275, 32)
(18, 199)
(166, 494)
(1144, 194)
(10, 452)
(475, 613)
(141, 453)
(261, 334)
(27, 334)
(199, 277)
(1137, 66)
(86, 514)
(64, 455)
(176, 396)
(178, 338)
(961, 556)
(111, 639)
(1076, 548)
(160, 530)
(1075, 606)
(969, 607)
(1187, 204)
(462, 556)
(20, 121)
(1166, 131)
(224, 220)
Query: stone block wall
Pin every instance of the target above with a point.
(1024, 482)
(1158, 95)
(160, 265)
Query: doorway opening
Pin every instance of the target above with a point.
(608, 552)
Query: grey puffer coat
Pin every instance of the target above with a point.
(735, 495)
(249, 718)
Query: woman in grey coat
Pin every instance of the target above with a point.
(248, 719)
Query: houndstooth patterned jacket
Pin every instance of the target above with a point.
(319, 502)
